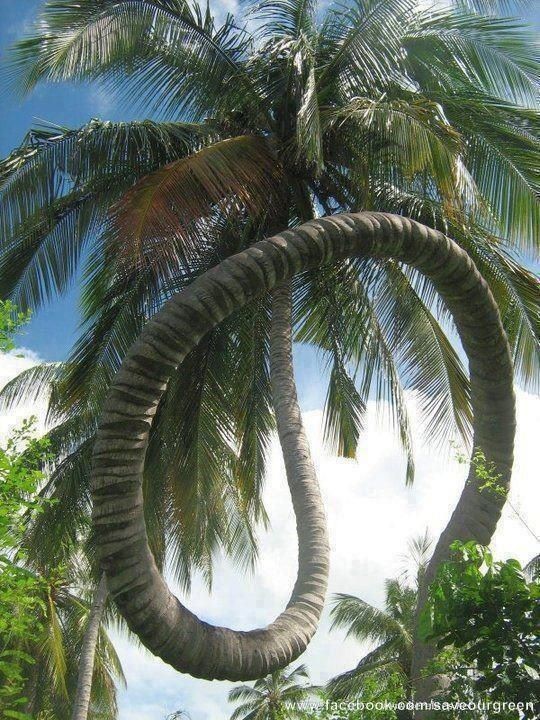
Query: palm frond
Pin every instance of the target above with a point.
(517, 291)
(322, 311)
(53, 161)
(238, 173)
(344, 413)
(498, 55)
(53, 648)
(351, 683)
(414, 135)
(55, 533)
(309, 136)
(351, 50)
(243, 693)
(428, 362)
(282, 18)
(165, 49)
(29, 386)
(361, 620)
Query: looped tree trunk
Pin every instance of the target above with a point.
(163, 624)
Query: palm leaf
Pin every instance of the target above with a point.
(53, 161)
(153, 42)
(350, 46)
(282, 18)
(29, 386)
(361, 620)
(239, 173)
(499, 55)
(351, 683)
(428, 362)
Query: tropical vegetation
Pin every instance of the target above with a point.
(283, 694)
(390, 630)
(490, 613)
(21, 603)
(256, 129)
(43, 609)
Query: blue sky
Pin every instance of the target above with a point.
(153, 689)
(54, 328)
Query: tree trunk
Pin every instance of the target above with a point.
(313, 549)
(81, 703)
(32, 685)
(163, 624)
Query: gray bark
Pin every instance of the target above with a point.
(163, 624)
(313, 547)
(81, 703)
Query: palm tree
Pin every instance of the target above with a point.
(51, 679)
(391, 630)
(83, 692)
(278, 695)
(434, 119)
(163, 624)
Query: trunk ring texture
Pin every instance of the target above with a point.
(164, 625)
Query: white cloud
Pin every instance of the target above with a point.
(101, 100)
(11, 364)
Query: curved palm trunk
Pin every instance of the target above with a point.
(83, 692)
(163, 624)
(313, 548)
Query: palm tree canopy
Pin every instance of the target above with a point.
(436, 118)
(52, 677)
(390, 629)
(270, 695)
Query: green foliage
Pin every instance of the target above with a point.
(390, 630)
(371, 704)
(281, 695)
(42, 609)
(490, 614)
(485, 473)
(21, 592)
(11, 320)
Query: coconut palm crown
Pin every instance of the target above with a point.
(258, 125)
(281, 694)
(390, 629)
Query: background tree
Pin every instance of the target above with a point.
(391, 630)
(42, 609)
(283, 694)
(21, 602)
(490, 613)
(51, 680)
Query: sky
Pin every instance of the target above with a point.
(371, 512)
